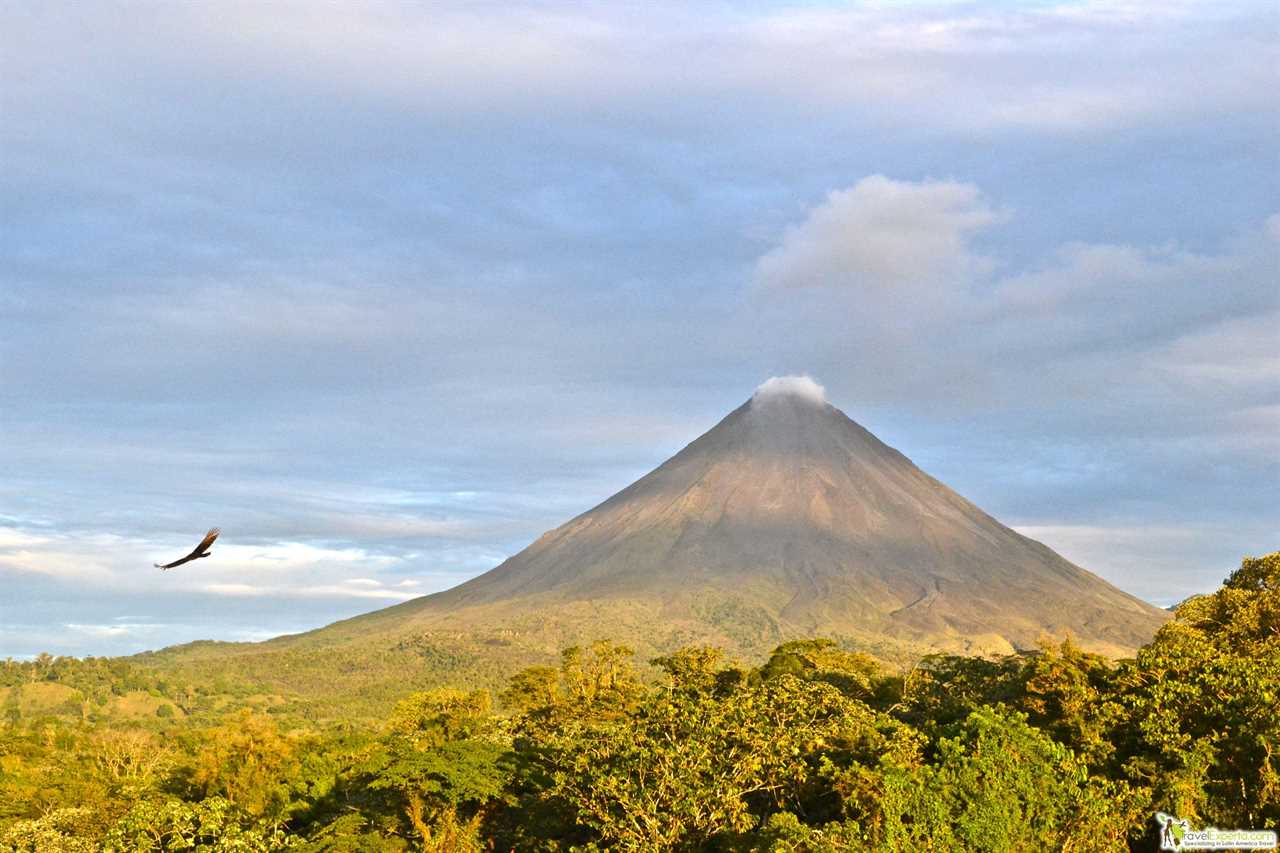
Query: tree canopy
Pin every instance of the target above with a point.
(817, 748)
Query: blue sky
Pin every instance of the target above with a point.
(387, 290)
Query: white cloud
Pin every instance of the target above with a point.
(1238, 353)
(13, 538)
(58, 556)
(294, 556)
(802, 387)
(78, 638)
(118, 629)
(342, 591)
(1104, 291)
(890, 269)
(283, 569)
(233, 589)
(1163, 564)
(1063, 67)
(334, 590)
(883, 235)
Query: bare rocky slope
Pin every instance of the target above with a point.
(785, 520)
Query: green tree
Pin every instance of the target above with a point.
(695, 668)
(1066, 692)
(1202, 704)
(247, 761)
(213, 825)
(531, 689)
(943, 689)
(690, 766)
(57, 831)
(434, 717)
(997, 785)
(599, 677)
(442, 755)
(852, 673)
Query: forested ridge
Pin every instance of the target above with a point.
(817, 748)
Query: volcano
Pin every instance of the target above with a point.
(786, 520)
(789, 519)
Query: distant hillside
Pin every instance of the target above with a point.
(785, 520)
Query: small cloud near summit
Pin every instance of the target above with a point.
(802, 387)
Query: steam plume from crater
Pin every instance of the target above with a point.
(801, 387)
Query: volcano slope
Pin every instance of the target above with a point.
(785, 520)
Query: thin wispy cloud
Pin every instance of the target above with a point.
(963, 66)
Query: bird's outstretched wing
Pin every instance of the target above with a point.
(199, 551)
(207, 540)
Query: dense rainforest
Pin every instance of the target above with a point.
(816, 749)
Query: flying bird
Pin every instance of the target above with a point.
(201, 550)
